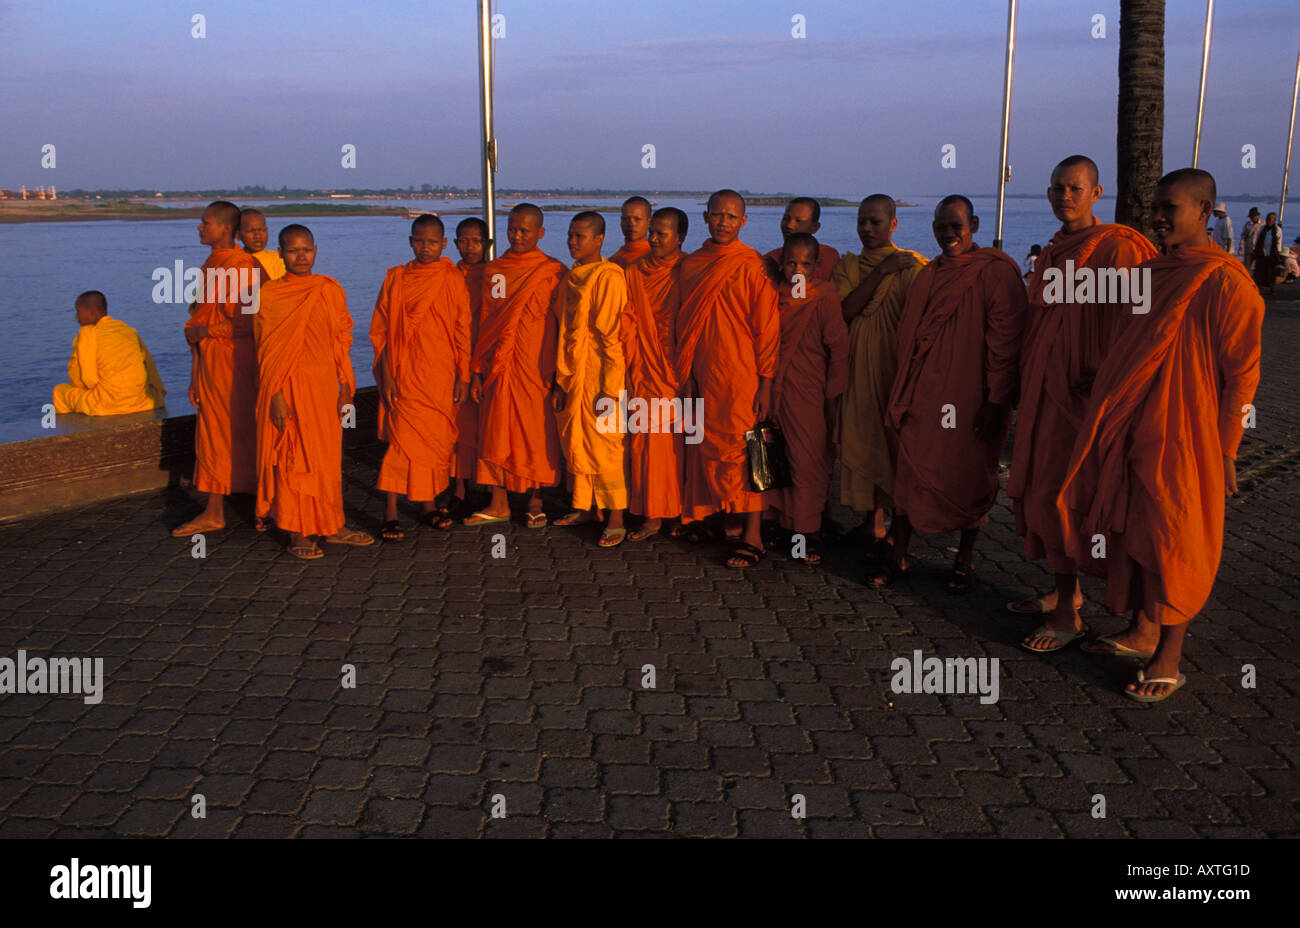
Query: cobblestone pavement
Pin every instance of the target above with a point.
(483, 680)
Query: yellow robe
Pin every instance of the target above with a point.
(869, 448)
(588, 305)
(111, 373)
(271, 262)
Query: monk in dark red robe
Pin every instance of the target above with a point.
(472, 244)
(803, 215)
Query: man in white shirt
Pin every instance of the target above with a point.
(1222, 234)
(1250, 232)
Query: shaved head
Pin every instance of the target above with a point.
(428, 221)
(1199, 183)
(811, 204)
(593, 220)
(804, 240)
(956, 199)
(293, 229)
(528, 209)
(640, 202)
(225, 213)
(882, 200)
(1094, 176)
(473, 222)
(93, 299)
(677, 216)
(727, 192)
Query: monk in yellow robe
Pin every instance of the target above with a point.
(872, 286)
(654, 452)
(634, 222)
(254, 234)
(303, 333)
(420, 333)
(513, 373)
(111, 371)
(802, 215)
(1156, 453)
(1066, 341)
(589, 378)
(728, 338)
(223, 369)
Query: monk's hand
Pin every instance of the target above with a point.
(763, 399)
(1229, 476)
(557, 398)
(476, 388)
(460, 393)
(193, 394)
(989, 419)
(345, 397)
(280, 412)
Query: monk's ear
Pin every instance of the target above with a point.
(974, 224)
(893, 225)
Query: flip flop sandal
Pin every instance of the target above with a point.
(1177, 682)
(439, 518)
(1035, 606)
(962, 580)
(612, 537)
(482, 518)
(350, 536)
(535, 520)
(1062, 639)
(576, 517)
(392, 531)
(263, 524)
(311, 552)
(193, 527)
(1109, 647)
(887, 574)
(642, 534)
(744, 552)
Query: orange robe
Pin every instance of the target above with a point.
(811, 370)
(464, 461)
(304, 333)
(827, 258)
(225, 378)
(1063, 342)
(271, 262)
(420, 333)
(654, 459)
(631, 251)
(518, 445)
(728, 336)
(869, 447)
(958, 346)
(589, 304)
(1147, 470)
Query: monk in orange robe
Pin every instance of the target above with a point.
(811, 371)
(873, 287)
(634, 222)
(958, 371)
(589, 378)
(111, 372)
(802, 214)
(472, 243)
(654, 452)
(254, 234)
(223, 369)
(303, 333)
(1156, 453)
(420, 333)
(1065, 343)
(513, 373)
(728, 337)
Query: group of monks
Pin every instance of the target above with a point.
(511, 372)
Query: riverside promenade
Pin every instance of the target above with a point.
(514, 685)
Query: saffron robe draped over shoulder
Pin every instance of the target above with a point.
(1063, 343)
(728, 336)
(1169, 404)
(110, 373)
(869, 447)
(630, 252)
(649, 333)
(271, 262)
(225, 379)
(464, 461)
(420, 333)
(304, 333)
(589, 303)
(518, 445)
(811, 370)
(958, 346)
(827, 260)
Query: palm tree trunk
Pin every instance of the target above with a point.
(1140, 136)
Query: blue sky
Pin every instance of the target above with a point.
(723, 91)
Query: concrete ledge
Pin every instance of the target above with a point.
(88, 458)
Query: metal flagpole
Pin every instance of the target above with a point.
(1205, 70)
(489, 136)
(1004, 169)
(1286, 170)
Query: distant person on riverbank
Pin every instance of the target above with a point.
(590, 379)
(1143, 497)
(872, 287)
(303, 333)
(1065, 344)
(634, 223)
(1031, 260)
(1268, 250)
(223, 369)
(420, 333)
(1223, 236)
(472, 243)
(513, 370)
(1292, 266)
(802, 214)
(111, 370)
(1249, 234)
(958, 378)
(254, 234)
